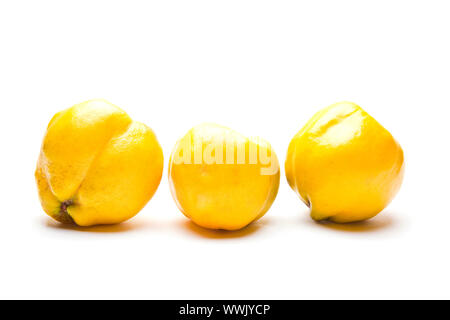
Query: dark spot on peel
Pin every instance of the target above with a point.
(64, 216)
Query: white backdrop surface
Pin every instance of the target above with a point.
(262, 68)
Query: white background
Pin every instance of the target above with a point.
(262, 68)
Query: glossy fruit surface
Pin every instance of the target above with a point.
(96, 165)
(344, 165)
(221, 179)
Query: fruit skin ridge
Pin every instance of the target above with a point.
(344, 165)
(96, 165)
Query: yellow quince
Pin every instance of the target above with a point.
(96, 165)
(344, 165)
(221, 179)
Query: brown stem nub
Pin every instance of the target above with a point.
(65, 205)
(64, 215)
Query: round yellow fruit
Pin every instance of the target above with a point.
(221, 179)
(344, 165)
(97, 166)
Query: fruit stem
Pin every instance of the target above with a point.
(65, 205)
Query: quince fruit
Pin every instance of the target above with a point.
(344, 165)
(96, 165)
(221, 179)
